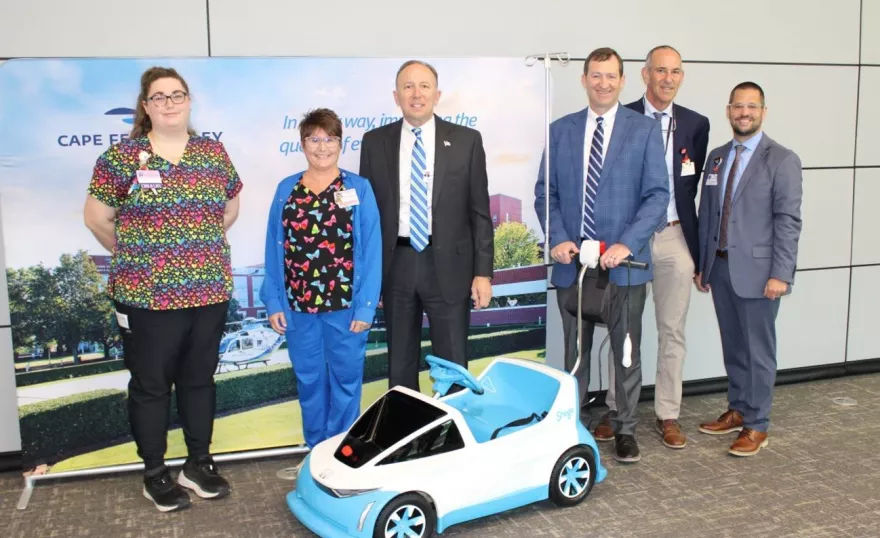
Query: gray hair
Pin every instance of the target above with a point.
(416, 62)
(655, 49)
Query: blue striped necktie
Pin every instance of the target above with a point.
(418, 196)
(588, 230)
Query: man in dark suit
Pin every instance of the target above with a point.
(750, 224)
(429, 177)
(675, 248)
(607, 182)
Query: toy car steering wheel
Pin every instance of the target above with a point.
(446, 374)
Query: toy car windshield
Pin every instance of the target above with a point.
(392, 418)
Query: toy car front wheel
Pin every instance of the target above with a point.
(409, 515)
(573, 476)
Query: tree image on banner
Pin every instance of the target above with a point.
(515, 246)
(66, 305)
(33, 303)
(84, 305)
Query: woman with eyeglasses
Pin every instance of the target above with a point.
(323, 276)
(161, 203)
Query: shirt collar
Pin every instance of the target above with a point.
(428, 126)
(608, 116)
(650, 109)
(752, 143)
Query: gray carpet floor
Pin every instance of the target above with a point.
(819, 477)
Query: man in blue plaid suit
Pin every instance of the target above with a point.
(608, 182)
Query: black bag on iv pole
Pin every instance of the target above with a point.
(594, 291)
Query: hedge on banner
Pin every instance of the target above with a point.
(484, 345)
(68, 372)
(381, 336)
(72, 422)
(75, 423)
(98, 417)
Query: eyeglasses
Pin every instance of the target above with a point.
(752, 107)
(177, 98)
(314, 141)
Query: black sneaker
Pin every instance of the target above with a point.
(160, 488)
(626, 449)
(201, 476)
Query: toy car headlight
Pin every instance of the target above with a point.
(343, 493)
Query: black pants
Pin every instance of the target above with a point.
(411, 289)
(171, 347)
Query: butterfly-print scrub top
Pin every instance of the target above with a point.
(171, 250)
(318, 254)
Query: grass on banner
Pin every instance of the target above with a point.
(266, 427)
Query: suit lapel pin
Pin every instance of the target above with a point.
(446, 143)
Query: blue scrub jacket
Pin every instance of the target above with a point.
(367, 251)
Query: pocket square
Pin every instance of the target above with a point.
(446, 143)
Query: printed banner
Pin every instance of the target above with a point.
(58, 116)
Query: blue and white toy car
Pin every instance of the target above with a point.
(411, 465)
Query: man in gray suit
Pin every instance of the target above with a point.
(750, 223)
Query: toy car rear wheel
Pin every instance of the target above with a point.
(408, 515)
(573, 476)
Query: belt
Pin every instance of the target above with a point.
(721, 254)
(405, 242)
(673, 223)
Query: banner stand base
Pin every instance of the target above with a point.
(30, 481)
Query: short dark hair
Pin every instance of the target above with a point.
(660, 47)
(746, 86)
(416, 62)
(320, 118)
(600, 55)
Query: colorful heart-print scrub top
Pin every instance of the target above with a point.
(171, 250)
(318, 253)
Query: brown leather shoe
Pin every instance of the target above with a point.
(604, 431)
(671, 433)
(749, 442)
(729, 421)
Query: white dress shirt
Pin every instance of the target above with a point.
(671, 209)
(407, 142)
(607, 127)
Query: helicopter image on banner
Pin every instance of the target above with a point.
(253, 343)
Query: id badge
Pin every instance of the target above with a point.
(688, 169)
(712, 180)
(149, 179)
(122, 320)
(346, 198)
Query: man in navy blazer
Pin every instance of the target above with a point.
(607, 182)
(675, 246)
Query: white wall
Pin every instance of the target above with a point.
(807, 54)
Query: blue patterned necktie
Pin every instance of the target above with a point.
(588, 230)
(418, 196)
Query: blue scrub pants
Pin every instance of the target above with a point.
(328, 360)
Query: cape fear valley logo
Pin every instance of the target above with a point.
(100, 139)
(126, 114)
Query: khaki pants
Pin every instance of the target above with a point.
(673, 279)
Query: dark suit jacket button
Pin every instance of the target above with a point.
(714, 239)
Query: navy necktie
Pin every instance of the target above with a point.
(594, 171)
